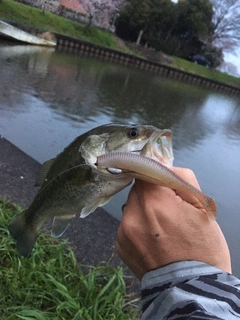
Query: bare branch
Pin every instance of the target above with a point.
(226, 23)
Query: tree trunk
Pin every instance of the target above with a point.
(139, 37)
(43, 6)
(89, 21)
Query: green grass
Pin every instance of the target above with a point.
(50, 285)
(205, 72)
(17, 12)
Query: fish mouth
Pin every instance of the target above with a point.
(158, 147)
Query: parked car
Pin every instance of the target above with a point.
(197, 58)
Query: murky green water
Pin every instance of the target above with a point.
(49, 98)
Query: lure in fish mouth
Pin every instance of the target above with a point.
(94, 167)
(150, 165)
(141, 167)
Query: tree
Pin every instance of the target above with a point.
(226, 23)
(103, 12)
(179, 29)
(195, 28)
(142, 16)
(163, 19)
(194, 18)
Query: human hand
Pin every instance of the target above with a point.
(159, 228)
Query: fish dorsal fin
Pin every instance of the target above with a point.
(60, 225)
(92, 206)
(43, 171)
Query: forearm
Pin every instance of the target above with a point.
(190, 289)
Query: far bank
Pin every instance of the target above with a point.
(27, 16)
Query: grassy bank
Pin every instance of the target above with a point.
(20, 13)
(13, 11)
(51, 285)
(187, 66)
(206, 72)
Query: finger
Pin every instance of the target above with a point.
(148, 194)
(188, 175)
(154, 197)
(185, 174)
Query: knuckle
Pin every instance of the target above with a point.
(129, 226)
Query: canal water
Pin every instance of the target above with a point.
(47, 98)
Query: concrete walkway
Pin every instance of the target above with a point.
(15, 33)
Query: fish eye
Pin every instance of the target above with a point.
(133, 133)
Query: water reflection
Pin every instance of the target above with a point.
(48, 98)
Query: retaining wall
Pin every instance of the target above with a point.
(111, 55)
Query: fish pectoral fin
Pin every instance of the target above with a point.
(93, 205)
(60, 225)
(43, 171)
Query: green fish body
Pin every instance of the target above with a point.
(72, 184)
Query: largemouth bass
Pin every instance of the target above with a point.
(73, 184)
